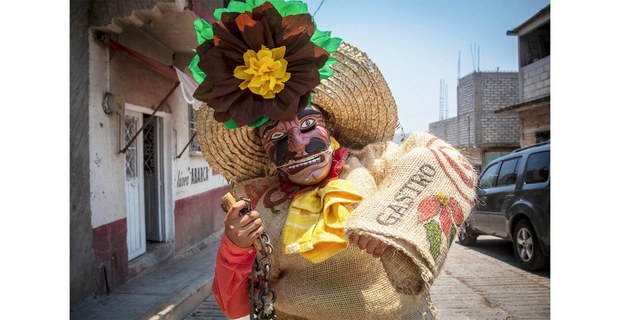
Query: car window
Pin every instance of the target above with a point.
(537, 167)
(489, 177)
(508, 172)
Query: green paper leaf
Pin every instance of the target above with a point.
(230, 124)
(434, 236)
(259, 122)
(332, 44)
(255, 3)
(318, 37)
(279, 5)
(217, 13)
(326, 71)
(323, 39)
(204, 31)
(240, 7)
(198, 74)
(293, 8)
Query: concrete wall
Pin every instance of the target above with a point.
(467, 129)
(497, 90)
(82, 267)
(536, 79)
(477, 128)
(466, 92)
(447, 130)
(479, 94)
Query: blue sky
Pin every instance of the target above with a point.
(416, 43)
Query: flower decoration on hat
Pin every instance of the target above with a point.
(259, 60)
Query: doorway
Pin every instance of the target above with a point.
(144, 182)
(153, 179)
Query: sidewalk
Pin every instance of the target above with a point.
(170, 291)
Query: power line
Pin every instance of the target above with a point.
(317, 9)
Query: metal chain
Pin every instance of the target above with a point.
(262, 297)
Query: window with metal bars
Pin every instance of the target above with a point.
(194, 146)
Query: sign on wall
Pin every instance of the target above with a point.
(194, 180)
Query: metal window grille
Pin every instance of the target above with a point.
(193, 125)
(131, 161)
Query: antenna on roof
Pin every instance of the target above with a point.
(458, 68)
(478, 58)
(473, 61)
(441, 112)
(475, 56)
(446, 93)
(443, 99)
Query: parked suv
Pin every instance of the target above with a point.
(513, 203)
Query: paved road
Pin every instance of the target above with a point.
(481, 282)
(484, 282)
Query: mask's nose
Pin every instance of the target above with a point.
(295, 140)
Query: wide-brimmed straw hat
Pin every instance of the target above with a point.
(360, 110)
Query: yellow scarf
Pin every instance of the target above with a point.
(316, 219)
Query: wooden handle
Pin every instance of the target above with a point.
(227, 201)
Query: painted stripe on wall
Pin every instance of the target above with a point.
(197, 217)
(110, 249)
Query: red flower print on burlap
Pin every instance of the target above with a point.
(444, 206)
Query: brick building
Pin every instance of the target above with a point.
(534, 103)
(478, 131)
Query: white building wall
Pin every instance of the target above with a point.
(107, 176)
(192, 174)
(107, 173)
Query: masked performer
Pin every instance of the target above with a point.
(302, 124)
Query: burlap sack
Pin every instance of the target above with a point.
(426, 193)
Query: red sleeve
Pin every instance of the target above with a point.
(233, 266)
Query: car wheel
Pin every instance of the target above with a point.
(527, 248)
(467, 236)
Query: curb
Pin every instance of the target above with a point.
(181, 303)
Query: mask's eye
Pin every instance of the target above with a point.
(277, 136)
(308, 123)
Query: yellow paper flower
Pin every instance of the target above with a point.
(264, 72)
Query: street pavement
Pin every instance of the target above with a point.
(480, 282)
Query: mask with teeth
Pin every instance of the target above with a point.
(300, 148)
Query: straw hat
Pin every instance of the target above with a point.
(357, 99)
